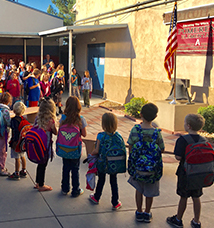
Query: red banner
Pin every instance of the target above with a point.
(195, 37)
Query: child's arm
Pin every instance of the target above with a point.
(83, 132)
(96, 150)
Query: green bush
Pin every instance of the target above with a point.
(134, 106)
(208, 114)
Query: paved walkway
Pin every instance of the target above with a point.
(24, 207)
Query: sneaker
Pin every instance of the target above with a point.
(118, 206)
(4, 172)
(92, 199)
(81, 191)
(23, 173)
(147, 217)
(14, 176)
(174, 222)
(64, 193)
(194, 224)
(139, 216)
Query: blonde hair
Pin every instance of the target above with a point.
(47, 112)
(109, 122)
(19, 108)
(195, 121)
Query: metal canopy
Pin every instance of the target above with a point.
(20, 35)
(63, 31)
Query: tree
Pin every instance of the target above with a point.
(65, 10)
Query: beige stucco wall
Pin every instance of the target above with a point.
(26, 19)
(134, 62)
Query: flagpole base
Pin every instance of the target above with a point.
(173, 102)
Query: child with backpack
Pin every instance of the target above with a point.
(5, 102)
(18, 109)
(69, 145)
(108, 144)
(145, 161)
(45, 122)
(192, 124)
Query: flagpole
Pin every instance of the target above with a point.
(174, 84)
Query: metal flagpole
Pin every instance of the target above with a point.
(174, 84)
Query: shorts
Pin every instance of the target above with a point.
(16, 155)
(147, 189)
(183, 192)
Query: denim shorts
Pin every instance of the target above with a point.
(16, 155)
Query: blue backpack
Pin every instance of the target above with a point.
(145, 160)
(112, 154)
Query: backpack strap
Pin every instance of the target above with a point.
(139, 132)
(188, 138)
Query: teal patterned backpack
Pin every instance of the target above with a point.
(112, 154)
(145, 160)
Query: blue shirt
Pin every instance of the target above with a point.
(34, 94)
(76, 81)
(84, 123)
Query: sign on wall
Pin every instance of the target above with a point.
(195, 37)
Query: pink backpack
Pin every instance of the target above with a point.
(69, 142)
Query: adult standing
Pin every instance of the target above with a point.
(47, 61)
(74, 84)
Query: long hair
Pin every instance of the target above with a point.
(72, 112)
(47, 112)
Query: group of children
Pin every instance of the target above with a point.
(142, 133)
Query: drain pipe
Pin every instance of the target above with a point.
(87, 20)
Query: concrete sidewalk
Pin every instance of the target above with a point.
(22, 206)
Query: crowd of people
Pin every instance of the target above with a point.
(29, 84)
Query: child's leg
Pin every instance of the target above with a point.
(196, 208)
(75, 176)
(114, 189)
(100, 184)
(66, 175)
(181, 207)
(3, 153)
(17, 164)
(139, 201)
(23, 159)
(149, 201)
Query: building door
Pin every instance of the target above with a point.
(96, 66)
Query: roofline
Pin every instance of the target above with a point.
(19, 35)
(34, 9)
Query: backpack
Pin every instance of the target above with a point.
(145, 159)
(27, 89)
(112, 154)
(199, 163)
(69, 142)
(3, 126)
(36, 141)
(24, 127)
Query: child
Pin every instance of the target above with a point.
(5, 101)
(45, 85)
(72, 116)
(74, 84)
(86, 89)
(150, 189)
(57, 89)
(13, 87)
(34, 86)
(2, 83)
(45, 120)
(192, 124)
(18, 109)
(109, 125)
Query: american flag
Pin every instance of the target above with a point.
(172, 44)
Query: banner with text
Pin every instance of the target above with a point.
(196, 37)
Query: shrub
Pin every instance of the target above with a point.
(134, 106)
(208, 114)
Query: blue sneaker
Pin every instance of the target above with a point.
(194, 224)
(174, 222)
(139, 216)
(147, 217)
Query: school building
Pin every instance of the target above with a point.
(128, 61)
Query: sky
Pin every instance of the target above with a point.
(37, 4)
